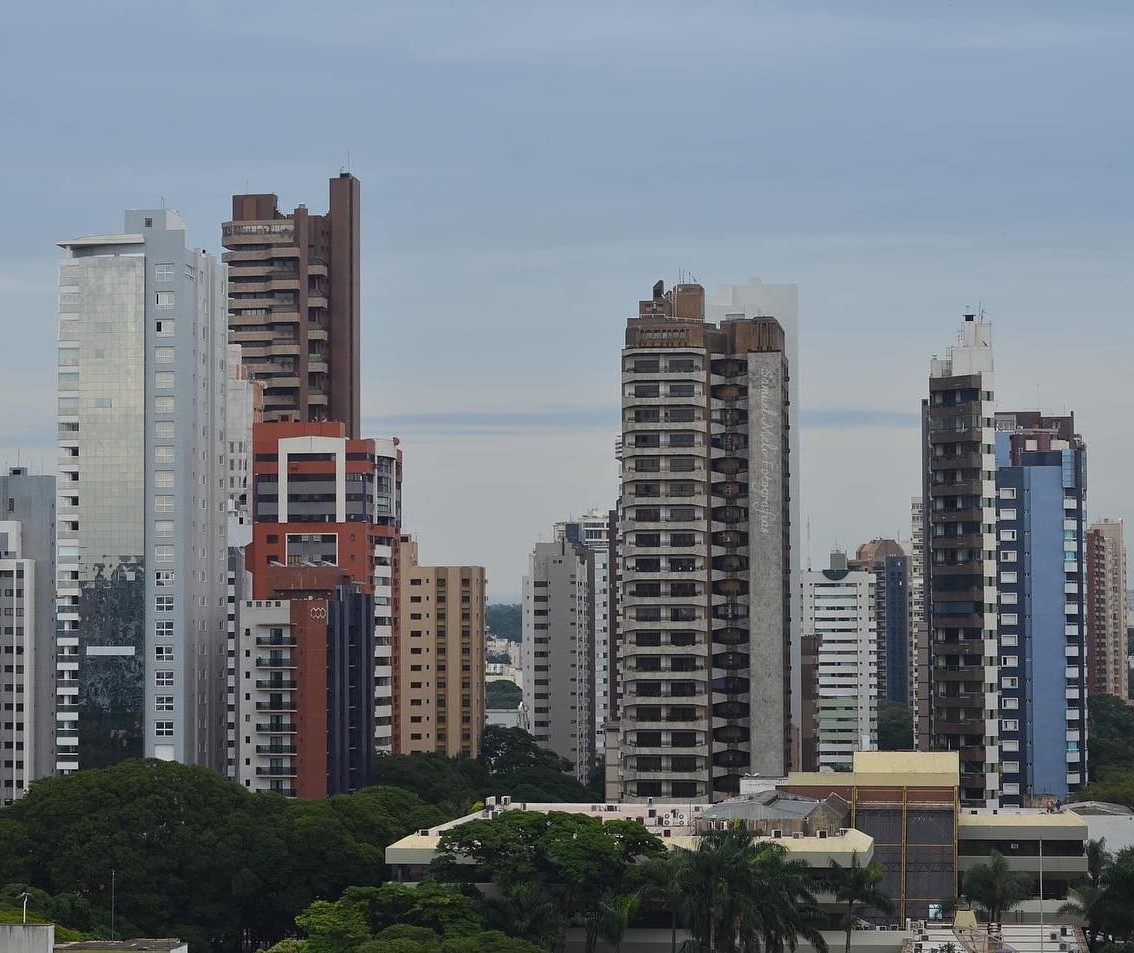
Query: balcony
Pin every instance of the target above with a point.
(276, 706)
(276, 728)
(273, 662)
(275, 684)
(288, 772)
(269, 640)
(275, 749)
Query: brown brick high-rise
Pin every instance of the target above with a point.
(294, 303)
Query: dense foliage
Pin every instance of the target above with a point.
(1110, 751)
(1105, 902)
(895, 727)
(510, 762)
(195, 856)
(501, 693)
(505, 619)
(191, 854)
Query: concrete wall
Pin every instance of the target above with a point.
(27, 937)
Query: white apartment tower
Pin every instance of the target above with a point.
(142, 498)
(27, 635)
(557, 651)
(706, 593)
(597, 530)
(839, 609)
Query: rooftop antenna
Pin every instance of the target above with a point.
(809, 544)
(163, 203)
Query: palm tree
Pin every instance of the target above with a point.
(995, 887)
(789, 909)
(526, 911)
(744, 896)
(1093, 901)
(609, 919)
(665, 878)
(856, 886)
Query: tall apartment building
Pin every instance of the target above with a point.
(598, 531)
(960, 567)
(441, 657)
(141, 512)
(838, 611)
(323, 499)
(706, 589)
(557, 650)
(27, 631)
(305, 705)
(918, 628)
(294, 303)
(1042, 684)
(887, 560)
(757, 299)
(1107, 667)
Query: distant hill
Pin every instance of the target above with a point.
(504, 619)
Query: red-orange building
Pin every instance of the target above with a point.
(320, 499)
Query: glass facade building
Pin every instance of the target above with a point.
(141, 498)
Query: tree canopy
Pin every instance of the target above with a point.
(1110, 751)
(502, 693)
(505, 619)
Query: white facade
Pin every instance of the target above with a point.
(19, 651)
(838, 607)
(141, 529)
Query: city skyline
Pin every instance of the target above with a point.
(976, 198)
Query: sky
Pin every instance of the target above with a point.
(530, 169)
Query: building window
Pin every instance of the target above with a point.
(163, 429)
(163, 703)
(163, 603)
(164, 271)
(163, 729)
(163, 405)
(163, 554)
(163, 455)
(163, 479)
(1007, 493)
(163, 653)
(164, 300)
(163, 380)
(163, 628)
(165, 328)
(163, 529)
(164, 679)
(163, 578)
(163, 504)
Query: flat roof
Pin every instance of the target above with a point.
(889, 769)
(91, 240)
(1066, 825)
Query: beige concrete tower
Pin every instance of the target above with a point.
(440, 668)
(1107, 668)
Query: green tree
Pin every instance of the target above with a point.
(857, 888)
(505, 620)
(333, 927)
(895, 727)
(502, 693)
(663, 880)
(1090, 901)
(995, 887)
(524, 910)
(489, 941)
(608, 919)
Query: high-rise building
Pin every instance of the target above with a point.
(757, 299)
(440, 702)
(598, 531)
(305, 663)
(706, 591)
(294, 303)
(1107, 668)
(838, 611)
(141, 512)
(887, 560)
(27, 637)
(960, 566)
(557, 650)
(1042, 684)
(323, 499)
(918, 631)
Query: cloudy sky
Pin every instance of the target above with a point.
(530, 169)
